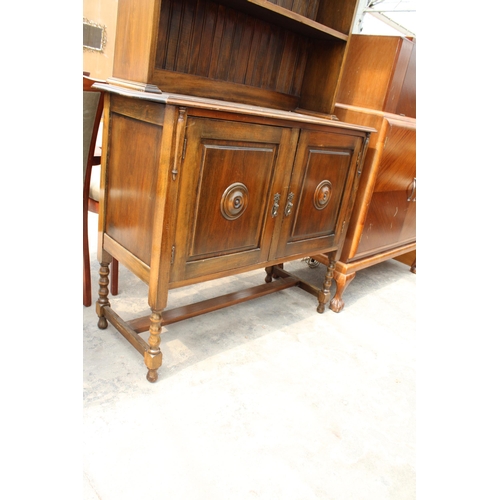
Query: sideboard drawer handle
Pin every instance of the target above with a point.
(276, 205)
(289, 204)
(413, 188)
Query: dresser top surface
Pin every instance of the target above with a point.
(230, 107)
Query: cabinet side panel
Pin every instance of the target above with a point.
(368, 71)
(407, 105)
(135, 34)
(131, 184)
(338, 15)
(400, 71)
(320, 83)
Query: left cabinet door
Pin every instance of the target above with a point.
(229, 178)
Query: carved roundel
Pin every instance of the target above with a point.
(322, 195)
(234, 201)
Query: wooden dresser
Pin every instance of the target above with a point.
(221, 153)
(378, 90)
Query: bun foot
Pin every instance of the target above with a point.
(152, 376)
(102, 323)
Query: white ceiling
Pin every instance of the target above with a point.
(386, 17)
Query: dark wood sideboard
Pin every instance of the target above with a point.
(378, 90)
(221, 151)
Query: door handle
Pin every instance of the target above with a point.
(289, 204)
(413, 189)
(276, 205)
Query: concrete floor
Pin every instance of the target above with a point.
(264, 400)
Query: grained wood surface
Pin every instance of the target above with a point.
(382, 217)
(379, 74)
(210, 40)
(307, 8)
(132, 177)
(320, 157)
(407, 103)
(219, 154)
(248, 51)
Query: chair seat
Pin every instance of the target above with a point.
(95, 183)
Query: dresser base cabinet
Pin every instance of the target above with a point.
(195, 189)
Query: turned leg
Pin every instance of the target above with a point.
(342, 281)
(103, 295)
(324, 294)
(270, 274)
(153, 356)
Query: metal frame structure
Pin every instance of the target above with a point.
(394, 13)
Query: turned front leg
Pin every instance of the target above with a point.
(103, 295)
(153, 356)
(324, 294)
(342, 280)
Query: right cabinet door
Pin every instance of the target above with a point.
(391, 218)
(314, 214)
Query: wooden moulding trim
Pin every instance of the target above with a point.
(392, 117)
(137, 86)
(123, 256)
(190, 311)
(231, 107)
(357, 265)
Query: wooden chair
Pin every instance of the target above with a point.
(92, 113)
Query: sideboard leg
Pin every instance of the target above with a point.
(153, 356)
(103, 295)
(324, 294)
(342, 281)
(269, 274)
(413, 267)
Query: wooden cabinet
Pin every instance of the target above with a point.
(221, 153)
(195, 189)
(378, 90)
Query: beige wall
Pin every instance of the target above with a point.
(102, 12)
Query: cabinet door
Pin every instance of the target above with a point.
(314, 212)
(228, 179)
(391, 218)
